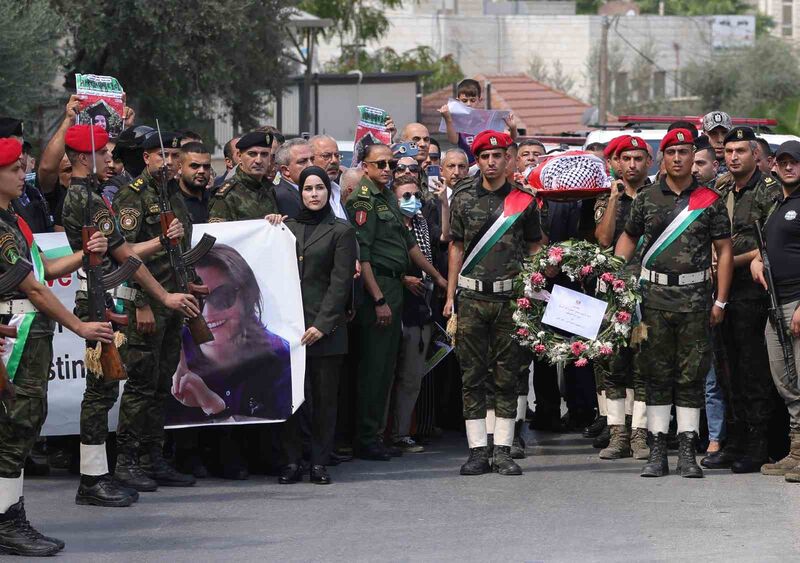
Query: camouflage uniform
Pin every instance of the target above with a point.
(21, 421)
(485, 326)
(151, 359)
(676, 356)
(242, 197)
(749, 389)
(99, 395)
(384, 242)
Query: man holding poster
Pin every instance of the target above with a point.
(678, 222)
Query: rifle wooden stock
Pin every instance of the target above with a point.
(199, 330)
(88, 232)
(198, 290)
(8, 331)
(166, 218)
(116, 318)
(113, 368)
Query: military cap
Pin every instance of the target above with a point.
(740, 134)
(254, 139)
(631, 143)
(715, 119)
(170, 139)
(676, 137)
(790, 148)
(79, 138)
(10, 127)
(490, 140)
(611, 147)
(10, 149)
(132, 137)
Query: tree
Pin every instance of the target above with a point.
(178, 60)
(29, 56)
(555, 77)
(359, 20)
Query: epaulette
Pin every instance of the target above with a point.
(137, 184)
(523, 188)
(716, 190)
(224, 189)
(363, 192)
(723, 180)
(769, 180)
(463, 184)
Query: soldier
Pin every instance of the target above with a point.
(782, 233)
(749, 197)
(385, 249)
(154, 331)
(624, 389)
(680, 222)
(247, 194)
(716, 125)
(485, 326)
(96, 486)
(31, 355)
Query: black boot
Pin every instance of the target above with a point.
(101, 491)
(727, 456)
(602, 440)
(130, 474)
(478, 462)
(594, 429)
(518, 445)
(687, 451)
(290, 474)
(657, 462)
(503, 463)
(157, 468)
(755, 454)
(18, 537)
(319, 475)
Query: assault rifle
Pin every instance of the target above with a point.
(178, 259)
(97, 284)
(8, 283)
(776, 318)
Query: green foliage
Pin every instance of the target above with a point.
(362, 20)
(555, 76)
(29, 56)
(176, 60)
(444, 70)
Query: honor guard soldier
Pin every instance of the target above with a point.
(679, 221)
(247, 195)
(483, 268)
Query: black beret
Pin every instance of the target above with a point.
(740, 134)
(171, 140)
(254, 139)
(10, 127)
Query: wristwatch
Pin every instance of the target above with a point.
(381, 301)
(720, 304)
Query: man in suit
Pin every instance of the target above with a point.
(292, 158)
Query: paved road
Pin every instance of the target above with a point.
(568, 506)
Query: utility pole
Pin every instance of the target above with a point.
(603, 74)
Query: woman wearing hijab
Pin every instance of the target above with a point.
(326, 257)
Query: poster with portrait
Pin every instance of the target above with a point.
(102, 102)
(370, 129)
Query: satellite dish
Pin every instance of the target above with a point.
(590, 116)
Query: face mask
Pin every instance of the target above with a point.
(409, 207)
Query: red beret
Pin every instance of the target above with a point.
(490, 140)
(611, 147)
(630, 143)
(676, 137)
(78, 138)
(10, 149)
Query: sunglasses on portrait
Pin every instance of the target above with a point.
(223, 296)
(382, 164)
(406, 196)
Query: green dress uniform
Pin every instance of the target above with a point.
(242, 197)
(484, 342)
(749, 389)
(151, 358)
(384, 242)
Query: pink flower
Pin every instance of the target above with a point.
(618, 285)
(581, 362)
(537, 279)
(578, 347)
(539, 348)
(606, 350)
(586, 270)
(523, 332)
(608, 277)
(523, 303)
(623, 317)
(556, 253)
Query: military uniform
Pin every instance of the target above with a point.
(384, 242)
(151, 358)
(242, 197)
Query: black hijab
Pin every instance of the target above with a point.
(307, 216)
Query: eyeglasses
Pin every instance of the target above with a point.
(382, 164)
(408, 167)
(406, 196)
(223, 296)
(328, 155)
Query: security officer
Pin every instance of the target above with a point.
(749, 197)
(680, 221)
(154, 332)
(247, 194)
(624, 388)
(22, 419)
(485, 325)
(385, 249)
(96, 486)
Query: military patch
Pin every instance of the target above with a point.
(634, 142)
(216, 220)
(361, 217)
(8, 248)
(103, 221)
(137, 184)
(224, 189)
(680, 136)
(176, 142)
(739, 134)
(129, 218)
(363, 192)
(382, 207)
(493, 141)
(154, 208)
(365, 205)
(768, 180)
(790, 215)
(598, 214)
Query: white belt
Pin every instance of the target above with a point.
(17, 307)
(674, 279)
(502, 286)
(119, 292)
